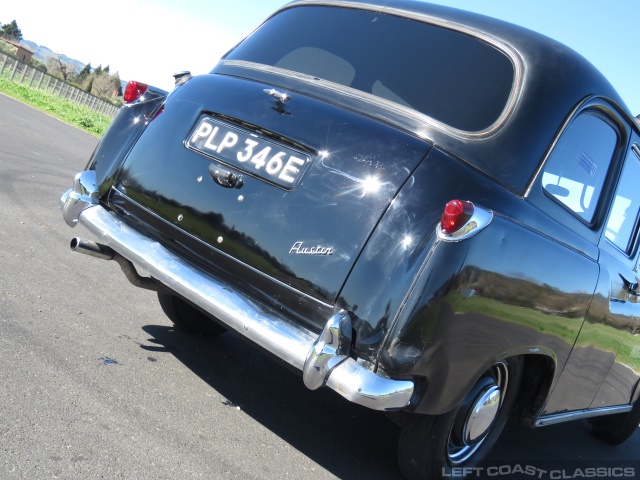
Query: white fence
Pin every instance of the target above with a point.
(22, 73)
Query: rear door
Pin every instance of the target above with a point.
(593, 174)
(619, 333)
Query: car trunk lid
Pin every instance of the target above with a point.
(289, 188)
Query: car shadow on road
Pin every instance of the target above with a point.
(348, 440)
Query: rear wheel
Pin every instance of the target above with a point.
(187, 317)
(615, 429)
(456, 441)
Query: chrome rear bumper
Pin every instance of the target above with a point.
(324, 359)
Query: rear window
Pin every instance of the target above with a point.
(450, 76)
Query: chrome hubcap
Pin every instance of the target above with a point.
(477, 415)
(482, 415)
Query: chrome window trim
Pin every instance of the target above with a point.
(510, 52)
(592, 103)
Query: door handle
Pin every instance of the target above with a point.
(225, 178)
(632, 287)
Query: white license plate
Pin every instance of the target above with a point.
(253, 154)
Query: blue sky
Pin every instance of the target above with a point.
(148, 40)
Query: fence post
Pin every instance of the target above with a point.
(56, 87)
(4, 63)
(15, 68)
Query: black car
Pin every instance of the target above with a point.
(431, 212)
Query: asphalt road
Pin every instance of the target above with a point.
(95, 382)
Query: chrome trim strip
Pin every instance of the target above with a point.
(289, 341)
(572, 115)
(636, 150)
(348, 92)
(514, 56)
(580, 414)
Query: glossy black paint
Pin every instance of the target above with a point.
(476, 302)
(122, 133)
(553, 79)
(470, 91)
(358, 166)
(537, 282)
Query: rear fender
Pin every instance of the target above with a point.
(495, 295)
(401, 245)
(125, 129)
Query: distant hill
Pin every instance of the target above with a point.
(43, 53)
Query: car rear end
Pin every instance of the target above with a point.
(252, 192)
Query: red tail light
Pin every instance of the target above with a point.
(455, 215)
(134, 90)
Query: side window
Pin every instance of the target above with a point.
(577, 168)
(623, 219)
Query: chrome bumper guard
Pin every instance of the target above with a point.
(323, 360)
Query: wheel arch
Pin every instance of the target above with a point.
(539, 371)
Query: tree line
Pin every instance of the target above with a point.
(98, 81)
(11, 31)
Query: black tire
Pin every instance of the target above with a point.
(187, 317)
(615, 429)
(438, 449)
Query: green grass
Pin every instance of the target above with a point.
(70, 112)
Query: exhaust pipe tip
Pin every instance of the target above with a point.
(92, 249)
(105, 252)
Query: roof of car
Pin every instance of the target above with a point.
(552, 80)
